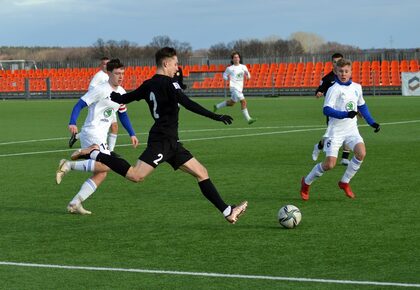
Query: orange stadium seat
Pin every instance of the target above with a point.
(414, 65)
(404, 66)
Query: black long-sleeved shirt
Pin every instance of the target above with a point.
(327, 81)
(163, 95)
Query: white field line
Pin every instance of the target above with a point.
(214, 137)
(180, 131)
(214, 275)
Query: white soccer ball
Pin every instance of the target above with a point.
(289, 216)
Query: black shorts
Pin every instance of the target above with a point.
(172, 152)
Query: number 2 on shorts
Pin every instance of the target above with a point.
(156, 161)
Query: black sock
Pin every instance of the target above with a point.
(345, 154)
(321, 144)
(118, 165)
(210, 192)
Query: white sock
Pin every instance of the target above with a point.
(87, 189)
(94, 154)
(351, 170)
(227, 211)
(316, 172)
(85, 165)
(112, 140)
(221, 105)
(246, 114)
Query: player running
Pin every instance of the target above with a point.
(163, 96)
(102, 113)
(236, 74)
(327, 81)
(343, 102)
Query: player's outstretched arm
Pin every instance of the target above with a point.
(132, 96)
(200, 110)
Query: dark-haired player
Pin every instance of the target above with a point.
(236, 73)
(162, 95)
(102, 112)
(99, 78)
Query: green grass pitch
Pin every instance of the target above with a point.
(166, 224)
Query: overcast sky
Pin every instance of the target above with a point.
(202, 23)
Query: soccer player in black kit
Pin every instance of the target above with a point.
(327, 81)
(163, 95)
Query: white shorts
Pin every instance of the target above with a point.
(236, 96)
(87, 140)
(333, 144)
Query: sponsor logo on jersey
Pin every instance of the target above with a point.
(350, 106)
(108, 113)
(176, 85)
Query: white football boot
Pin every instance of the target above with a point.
(236, 212)
(63, 168)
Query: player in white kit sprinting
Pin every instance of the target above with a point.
(236, 74)
(343, 101)
(102, 113)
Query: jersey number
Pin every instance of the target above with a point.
(156, 161)
(153, 99)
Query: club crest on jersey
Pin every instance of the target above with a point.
(176, 85)
(350, 106)
(107, 113)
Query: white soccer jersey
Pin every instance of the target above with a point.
(101, 112)
(99, 78)
(343, 98)
(236, 74)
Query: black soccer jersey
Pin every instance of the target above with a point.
(163, 96)
(327, 81)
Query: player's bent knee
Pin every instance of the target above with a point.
(134, 176)
(328, 165)
(360, 155)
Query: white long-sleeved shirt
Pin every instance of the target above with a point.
(343, 98)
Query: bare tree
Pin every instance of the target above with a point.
(220, 50)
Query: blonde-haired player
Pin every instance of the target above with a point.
(343, 102)
(236, 74)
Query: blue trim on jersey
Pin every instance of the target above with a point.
(363, 109)
(125, 121)
(76, 111)
(341, 83)
(330, 112)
